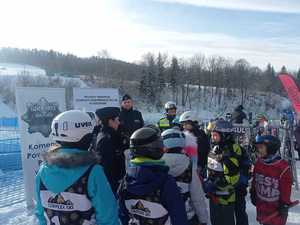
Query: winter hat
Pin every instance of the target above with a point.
(126, 97)
(108, 113)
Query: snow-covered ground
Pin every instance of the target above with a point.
(6, 111)
(17, 214)
(12, 69)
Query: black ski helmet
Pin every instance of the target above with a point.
(147, 142)
(272, 143)
(225, 129)
(223, 126)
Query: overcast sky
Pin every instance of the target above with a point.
(260, 31)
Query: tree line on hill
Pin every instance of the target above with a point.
(156, 74)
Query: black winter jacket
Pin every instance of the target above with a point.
(131, 120)
(109, 148)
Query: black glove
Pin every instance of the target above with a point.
(253, 196)
(283, 210)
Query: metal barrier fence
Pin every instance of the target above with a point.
(11, 175)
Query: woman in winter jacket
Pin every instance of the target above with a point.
(70, 187)
(197, 142)
(148, 195)
(180, 167)
(272, 182)
(109, 146)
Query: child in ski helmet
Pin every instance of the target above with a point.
(272, 182)
(170, 115)
(223, 167)
(197, 142)
(70, 186)
(186, 178)
(148, 195)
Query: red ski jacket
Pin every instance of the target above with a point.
(271, 185)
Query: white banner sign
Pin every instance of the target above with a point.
(92, 99)
(36, 109)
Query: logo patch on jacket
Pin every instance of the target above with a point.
(267, 188)
(59, 202)
(139, 208)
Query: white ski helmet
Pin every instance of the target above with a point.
(71, 126)
(173, 138)
(188, 116)
(170, 105)
(214, 165)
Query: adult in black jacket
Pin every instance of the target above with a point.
(109, 146)
(238, 115)
(130, 119)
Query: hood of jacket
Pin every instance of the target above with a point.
(64, 166)
(146, 178)
(176, 162)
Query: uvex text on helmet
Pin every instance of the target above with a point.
(71, 126)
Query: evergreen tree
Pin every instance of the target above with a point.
(174, 74)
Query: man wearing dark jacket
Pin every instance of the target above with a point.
(109, 146)
(238, 115)
(130, 119)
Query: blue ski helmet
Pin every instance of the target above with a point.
(272, 143)
(173, 138)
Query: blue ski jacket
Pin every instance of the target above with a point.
(146, 176)
(62, 168)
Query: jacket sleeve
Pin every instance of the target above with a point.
(105, 150)
(198, 198)
(123, 212)
(231, 165)
(173, 202)
(141, 119)
(252, 189)
(102, 198)
(39, 210)
(285, 186)
(203, 149)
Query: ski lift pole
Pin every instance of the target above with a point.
(293, 161)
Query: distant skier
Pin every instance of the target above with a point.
(148, 195)
(238, 116)
(228, 117)
(272, 182)
(169, 120)
(262, 125)
(70, 187)
(187, 179)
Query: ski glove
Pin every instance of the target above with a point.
(209, 186)
(283, 210)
